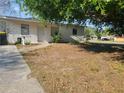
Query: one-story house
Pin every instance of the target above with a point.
(34, 32)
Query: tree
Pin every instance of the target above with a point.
(108, 12)
(89, 31)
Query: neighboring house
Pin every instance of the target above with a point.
(32, 31)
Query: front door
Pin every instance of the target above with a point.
(41, 34)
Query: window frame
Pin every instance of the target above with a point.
(26, 27)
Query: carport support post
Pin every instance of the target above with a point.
(23, 40)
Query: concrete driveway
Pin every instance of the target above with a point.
(14, 73)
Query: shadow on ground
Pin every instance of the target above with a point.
(116, 49)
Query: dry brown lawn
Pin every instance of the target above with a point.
(66, 68)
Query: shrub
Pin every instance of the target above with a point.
(56, 38)
(28, 43)
(17, 42)
(89, 33)
(74, 42)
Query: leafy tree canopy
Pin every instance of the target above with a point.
(109, 12)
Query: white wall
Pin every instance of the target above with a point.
(66, 31)
(38, 33)
(14, 31)
(44, 33)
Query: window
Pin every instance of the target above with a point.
(24, 29)
(74, 31)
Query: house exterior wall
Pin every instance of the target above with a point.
(13, 29)
(37, 32)
(66, 32)
(44, 33)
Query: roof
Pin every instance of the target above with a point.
(19, 19)
(33, 20)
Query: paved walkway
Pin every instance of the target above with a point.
(14, 73)
(25, 49)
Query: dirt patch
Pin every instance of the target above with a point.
(65, 68)
(25, 46)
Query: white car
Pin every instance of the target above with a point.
(105, 38)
